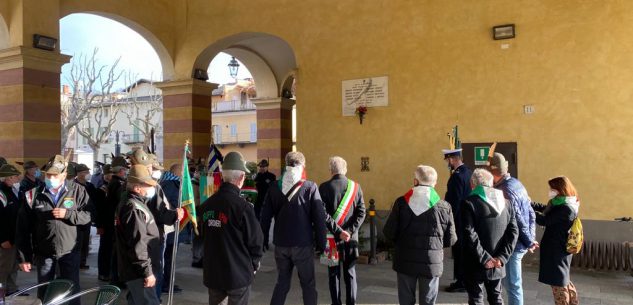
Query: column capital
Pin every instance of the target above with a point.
(273, 103)
(186, 86)
(31, 58)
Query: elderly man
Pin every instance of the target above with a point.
(83, 178)
(137, 239)
(343, 199)
(116, 189)
(104, 259)
(490, 233)
(420, 225)
(32, 177)
(233, 240)
(524, 215)
(9, 197)
(296, 206)
(47, 227)
(262, 182)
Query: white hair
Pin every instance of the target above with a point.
(232, 175)
(426, 175)
(295, 158)
(338, 165)
(481, 177)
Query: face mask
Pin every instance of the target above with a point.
(552, 194)
(88, 177)
(38, 173)
(16, 185)
(156, 174)
(150, 192)
(53, 184)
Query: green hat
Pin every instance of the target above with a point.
(72, 169)
(56, 165)
(118, 163)
(81, 168)
(140, 174)
(107, 169)
(29, 165)
(8, 170)
(139, 156)
(234, 161)
(498, 161)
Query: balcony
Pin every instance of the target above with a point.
(240, 139)
(232, 106)
(132, 139)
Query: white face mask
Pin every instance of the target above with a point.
(552, 194)
(16, 186)
(88, 177)
(156, 174)
(150, 192)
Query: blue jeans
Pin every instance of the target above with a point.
(513, 281)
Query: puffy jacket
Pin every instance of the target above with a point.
(39, 233)
(419, 240)
(515, 192)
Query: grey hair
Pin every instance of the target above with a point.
(481, 177)
(232, 175)
(338, 165)
(295, 158)
(426, 175)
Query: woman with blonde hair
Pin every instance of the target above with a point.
(557, 217)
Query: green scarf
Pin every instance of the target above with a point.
(479, 191)
(434, 198)
(558, 200)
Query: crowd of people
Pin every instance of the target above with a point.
(486, 217)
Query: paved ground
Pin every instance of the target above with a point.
(377, 284)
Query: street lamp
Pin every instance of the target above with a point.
(117, 146)
(233, 67)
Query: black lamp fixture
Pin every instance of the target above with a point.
(233, 67)
(200, 74)
(44, 42)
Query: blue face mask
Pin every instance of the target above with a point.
(38, 173)
(53, 184)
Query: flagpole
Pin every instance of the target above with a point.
(172, 274)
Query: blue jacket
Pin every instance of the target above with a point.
(516, 193)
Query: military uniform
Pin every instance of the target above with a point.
(262, 182)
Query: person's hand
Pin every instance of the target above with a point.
(149, 281)
(535, 246)
(100, 231)
(498, 263)
(345, 236)
(26, 267)
(181, 213)
(6, 245)
(59, 213)
(490, 263)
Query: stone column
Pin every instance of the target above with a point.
(30, 126)
(274, 130)
(186, 116)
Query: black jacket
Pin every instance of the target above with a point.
(27, 184)
(39, 233)
(332, 192)
(486, 234)
(137, 239)
(94, 195)
(233, 239)
(457, 189)
(116, 189)
(262, 183)
(297, 222)
(555, 261)
(162, 211)
(8, 214)
(419, 240)
(101, 205)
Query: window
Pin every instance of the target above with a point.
(137, 132)
(217, 134)
(233, 130)
(253, 132)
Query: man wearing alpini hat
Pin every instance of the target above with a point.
(9, 204)
(32, 177)
(137, 238)
(262, 182)
(47, 226)
(233, 240)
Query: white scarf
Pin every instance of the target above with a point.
(495, 199)
(419, 202)
(291, 177)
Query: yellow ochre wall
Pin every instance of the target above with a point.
(571, 59)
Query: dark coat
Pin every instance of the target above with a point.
(101, 206)
(297, 222)
(233, 239)
(332, 192)
(486, 234)
(27, 184)
(457, 189)
(555, 261)
(39, 233)
(162, 211)
(420, 239)
(116, 189)
(8, 214)
(137, 239)
(262, 183)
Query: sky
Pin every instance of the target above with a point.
(114, 40)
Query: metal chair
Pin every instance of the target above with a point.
(106, 295)
(55, 290)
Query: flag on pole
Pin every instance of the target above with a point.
(211, 182)
(187, 201)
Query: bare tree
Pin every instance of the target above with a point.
(93, 101)
(142, 110)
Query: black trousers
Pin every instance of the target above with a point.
(229, 297)
(287, 258)
(348, 256)
(84, 240)
(106, 252)
(475, 289)
(68, 265)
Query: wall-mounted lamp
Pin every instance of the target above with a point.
(505, 31)
(200, 74)
(44, 42)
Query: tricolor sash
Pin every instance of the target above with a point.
(30, 196)
(330, 256)
(3, 199)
